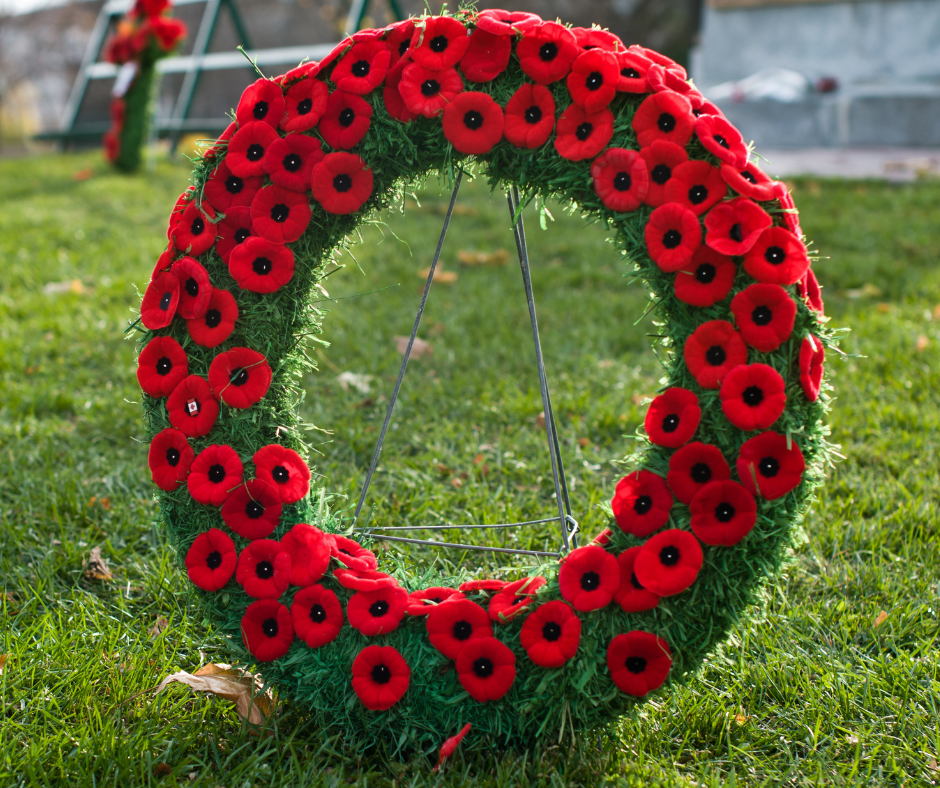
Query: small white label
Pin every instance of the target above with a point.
(125, 77)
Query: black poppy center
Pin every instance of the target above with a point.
(216, 473)
(280, 474)
(768, 467)
(192, 287)
(360, 68)
(518, 600)
(439, 44)
(197, 227)
(671, 422)
(716, 355)
(753, 396)
(551, 631)
(548, 51)
(238, 377)
(735, 232)
(642, 504)
(629, 73)
(264, 570)
(255, 152)
(698, 194)
(234, 184)
(590, 581)
(775, 255)
(594, 81)
(473, 120)
(584, 131)
(623, 181)
(705, 273)
(701, 473)
(261, 110)
(462, 630)
(213, 317)
(724, 512)
(661, 174)
(254, 510)
(262, 266)
(403, 46)
(634, 582)
(292, 162)
(378, 608)
(762, 315)
(666, 122)
(635, 664)
(304, 106)
(242, 234)
(342, 183)
(317, 614)
(669, 556)
(165, 301)
(280, 213)
(346, 118)
(533, 114)
(164, 366)
(214, 559)
(269, 627)
(748, 176)
(173, 456)
(721, 141)
(483, 667)
(381, 674)
(430, 87)
(672, 238)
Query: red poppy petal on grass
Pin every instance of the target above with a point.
(546, 52)
(169, 459)
(748, 181)
(218, 322)
(289, 161)
(473, 123)
(451, 626)
(639, 662)
(551, 634)
(317, 615)
(252, 510)
(195, 232)
(812, 359)
(261, 101)
(284, 469)
(712, 351)
(669, 562)
(529, 116)
(195, 288)
(778, 257)
(631, 595)
(693, 466)
(721, 139)
(664, 116)
(309, 550)
(770, 465)
(225, 190)
(592, 81)
(723, 513)
(439, 42)
(753, 396)
(672, 418)
(234, 230)
(280, 215)
(246, 149)
(696, 185)
(192, 408)
(162, 364)
(377, 612)
(240, 377)
(641, 503)
(346, 120)
(673, 235)
(215, 473)
(707, 279)
(589, 577)
(342, 183)
(362, 68)
(661, 159)
(264, 569)
(764, 314)
(267, 629)
(620, 179)
(352, 554)
(486, 57)
(486, 669)
(514, 598)
(582, 135)
(449, 747)
(422, 602)
(733, 227)
(426, 92)
(380, 677)
(211, 560)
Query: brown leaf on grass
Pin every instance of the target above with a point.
(162, 769)
(458, 482)
(96, 567)
(867, 290)
(922, 343)
(230, 683)
(932, 764)
(540, 420)
(418, 350)
(584, 442)
(3, 662)
(83, 174)
(469, 257)
(880, 618)
(158, 626)
(440, 275)
(75, 286)
(936, 312)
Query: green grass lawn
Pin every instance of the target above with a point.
(820, 688)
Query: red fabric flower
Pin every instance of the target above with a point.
(656, 57)
(362, 68)
(696, 185)
(262, 101)
(639, 662)
(473, 123)
(342, 183)
(778, 257)
(363, 579)
(770, 465)
(631, 595)
(753, 396)
(712, 351)
(192, 408)
(267, 629)
(280, 215)
(672, 418)
(451, 626)
(426, 92)
(582, 135)
(215, 473)
(309, 550)
(707, 279)
(211, 559)
(513, 598)
(790, 215)
(530, 116)
(449, 747)
(217, 324)
(178, 207)
(164, 261)
(812, 358)
(422, 602)
(589, 577)
(394, 103)
(240, 377)
(664, 116)
(593, 79)
(289, 161)
(380, 677)
(482, 585)
(304, 105)
(253, 510)
(261, 266)
(167, 32)
(673, 235)
(264, 569)
(641, 503)
(603, 538)
(195, 232)
(665, 79)
(486, 669)
(309, 69)
(507, 23)
(733, 227)
(551, 633)
(346, 120)
(398, 40)
(234, 230)
(721, 139)
(595, 38)
(195, 288)
(486, 57)
(377, 612)
(764, 315)
(162, 364)
(439, 42)
(225, 189)
(247, 147)
(748, 181)
(661, 159)
(693, 466)
(620, 179)
(723, 513)
(212, 153)
(546, 52)
(633, 69)
(283, 469)
(669, 562)
(169, 459)
(352, 554)
(317, 615)
(809, 290)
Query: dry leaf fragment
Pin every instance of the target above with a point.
(932, 764)
(936, 312)
(162, 769)
(359, 382)
(883, 308)
(158, 626)
(83, 174)
(55, 288)
(922, 343)
(440, 275)
(469, 257)
(880, 619)
(867, 290)
(96, 568)
(419, 349)
(3, 662)
(540, 420)
(852, 739)
(230, 683)
(584, 442)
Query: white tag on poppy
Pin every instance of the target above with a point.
(125, 77)
(192, 406)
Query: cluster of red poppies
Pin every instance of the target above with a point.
(148, 21)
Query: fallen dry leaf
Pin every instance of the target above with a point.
(584, 442)
(440, 275)
(922, 343)
(83, 174)
(867, 290)
(419, 349)
(162, 769)
(359, 382)
(852, 739)
(883, 308)
(96, 567)
(540, 420)
(457, 482)
(936, 312)
(158, 626)
(932, 764)
(469, 257)
(880, 618)
(75, 286)
(230, 683)
(3, 662)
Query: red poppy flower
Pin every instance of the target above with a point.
(285, 470)
(639, 662)
(707, 279)
(641, 503)
(506, 23)
(723, 513)
(217, 324)
(362, 68)
(261, 266)
(195, 288)
(595, 38)
(551, 634)
(631, 595)
(790, 215)
(770, 465)
(439, 42)
(267, 629)
(809, 290)
(111, 142)
(662, 79)
(310, 69)
(696, 185)
(162, 364)
(473, 123)
(664, 116)
(422, 602)
(486, 57)
(352, 554)
(195, 232)
(486, 668)
(530, 116)
(212, 153)
(317, 615)
(233, 230)
(225, 190)
(211, 559)
(589, 578)
(240, 377)
(672, 418)
(669, 562)
(253, 510)
(289, 161)
(748, 181)
(778, 257)
(192, 408)
(380, 677)
(342, 183)
(753, 397)
(167, 32)
(280, 215)
(449, 747)
(812, 358)
(377, 612)
(215, 473)
(482, 585)
(309, 550)
(620, 179)
(169, 459)
(178, 207)
(764, 314)
(247, 147)
(426, 92)
(733, 227)
(592, 81)
(656, 57)
(712, 351)
(633, 69)
(304, 105)
(398, 40)
(722, 140)
(546, 52)
(164, 261)
(451, 626)
(264, 569)
(338, 51)
(363, 579)
(661, 159)
(673, 235)
(262, 101)
(346, 120)
(582, 135)
(511, 600)
(694, 466)
(394, 103)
